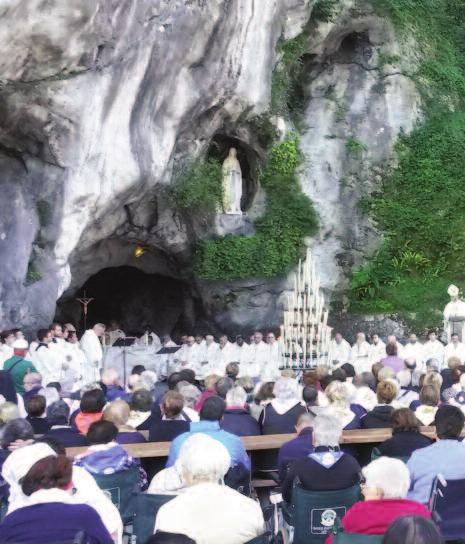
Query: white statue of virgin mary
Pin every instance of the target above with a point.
(454, 314)
(232, 183)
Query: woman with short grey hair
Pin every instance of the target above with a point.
(208, 511)
(281, 414)
(386, 482)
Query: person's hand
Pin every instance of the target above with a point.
(20, 444)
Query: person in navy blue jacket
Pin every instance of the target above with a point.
(297, 448)
(52, 515)
(61, 431)
(171, 422)
(237, 419)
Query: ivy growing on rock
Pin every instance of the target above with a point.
(199, 187)
(421, 204)
(278, 242)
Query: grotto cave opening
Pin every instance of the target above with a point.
(136, 299)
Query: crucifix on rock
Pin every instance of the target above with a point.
(85, 303)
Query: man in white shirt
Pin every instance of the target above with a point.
(377, 349)
(360, 354)
(48, 361)
(259, 353)
(454, 348)
(92, 348)
(434, 349)
(227, 354)
(245, 356)
(413, 350)
(339, 350)
(190, 355)
(270, 371)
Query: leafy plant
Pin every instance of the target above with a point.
(289, 217)
(32, 275)
(355, 148)
(287, 73)
(199, 186)
(323, 10)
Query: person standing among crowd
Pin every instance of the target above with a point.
(18, 366)
(92, 348)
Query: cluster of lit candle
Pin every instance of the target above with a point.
(305, 334)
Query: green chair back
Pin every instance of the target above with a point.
(146, 507)
(376, 454)
(121, 487)
(314, 513)
(355, 538)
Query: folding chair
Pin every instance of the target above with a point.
(355, 538)
(146, 507)
(314, 513)
(447, 504)
(121, 487)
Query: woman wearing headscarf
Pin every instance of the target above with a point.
(18, 464)
(52, 513)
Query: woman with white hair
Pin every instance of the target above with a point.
(237, 419)
(327, 468)
(87, 491)
(407, 393)
(208, 511)
(385, 485)
(340, 395)
(281, 414)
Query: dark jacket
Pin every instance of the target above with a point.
(238, 421)
(378, 418)
(403, 444)
(67, 437)
(295, 449)
(40, 425)
(315, 477)
(130, 437)
(167, 430)
(271, 422)
(53, 522)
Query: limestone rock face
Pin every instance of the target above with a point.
(102, 101)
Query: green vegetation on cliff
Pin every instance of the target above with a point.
(289, 217)
(421, 204)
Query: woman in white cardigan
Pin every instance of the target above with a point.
(207, 511)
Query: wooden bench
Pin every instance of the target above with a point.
(264, 442)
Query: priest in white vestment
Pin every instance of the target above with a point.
(360, 354)
(243, 355)
(75, 360)
(48, 361)
(271, 371)
(190, 355)
(413, 350)
(92, 348)
(259, 353)
(454, 348)
(339, 351)
(377, 349)
(227, 354)
(434, 349)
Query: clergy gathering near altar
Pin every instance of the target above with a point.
(71, 426)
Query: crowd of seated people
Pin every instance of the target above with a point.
(204, 419)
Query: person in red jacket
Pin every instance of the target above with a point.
(386, 483)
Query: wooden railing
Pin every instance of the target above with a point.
(264, 442)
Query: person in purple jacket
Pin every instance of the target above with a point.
(52, 513)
